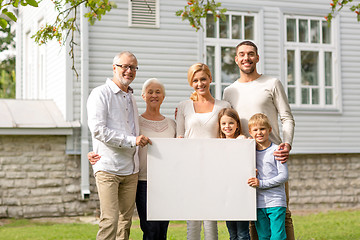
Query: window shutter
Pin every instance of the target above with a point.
(144, 13)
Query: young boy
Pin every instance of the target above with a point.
(270, 181)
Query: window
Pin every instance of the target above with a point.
(310, 54)
(221, 38)
(144, 13)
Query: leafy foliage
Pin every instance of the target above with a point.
(195, 10)
(337, 5)
(65, 22)
(5, 7)
(7, 78)
(7, 66)
(6, 39)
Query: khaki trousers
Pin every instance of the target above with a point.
(289, 227)
(117, 203)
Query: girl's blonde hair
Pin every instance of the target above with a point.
(197, 67)
(234, 115)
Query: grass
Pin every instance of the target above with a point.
(333, 225)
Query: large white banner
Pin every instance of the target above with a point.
(201, 179)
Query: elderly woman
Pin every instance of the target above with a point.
(153, 125)
(197, 118)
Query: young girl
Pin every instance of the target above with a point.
(229, 124)
(230, 127)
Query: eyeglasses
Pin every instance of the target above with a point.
(126, 67)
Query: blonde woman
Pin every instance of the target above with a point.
(197, 118)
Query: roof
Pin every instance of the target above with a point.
(33, 117)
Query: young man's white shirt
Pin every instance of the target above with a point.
(263, 95)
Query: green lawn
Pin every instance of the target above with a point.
(336, 225)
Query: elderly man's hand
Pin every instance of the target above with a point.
(93, 157)
(142, 141)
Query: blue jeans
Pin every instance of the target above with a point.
(238, 230)
(270, 224)
(152, 230)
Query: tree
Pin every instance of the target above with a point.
(7, 66)
(7, 78)
(337, 6)
(195, 10)
(65, 23)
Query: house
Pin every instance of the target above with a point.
(318, 65)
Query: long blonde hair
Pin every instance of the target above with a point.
(197, 67)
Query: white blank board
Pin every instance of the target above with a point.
(201, 179)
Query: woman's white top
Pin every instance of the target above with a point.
(189, 124)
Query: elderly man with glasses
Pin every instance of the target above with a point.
(113, 122)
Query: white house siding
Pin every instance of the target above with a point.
(165, 53)
(76, 81)
(168, 51)
(57, 71)
(350, 76)
(54, 83)
(271, 42)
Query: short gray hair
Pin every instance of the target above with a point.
(118, 56)
(150, 81)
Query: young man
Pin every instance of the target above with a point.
(270, 182)
(114, 126)
(256, 93)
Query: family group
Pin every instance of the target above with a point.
(250, 108)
